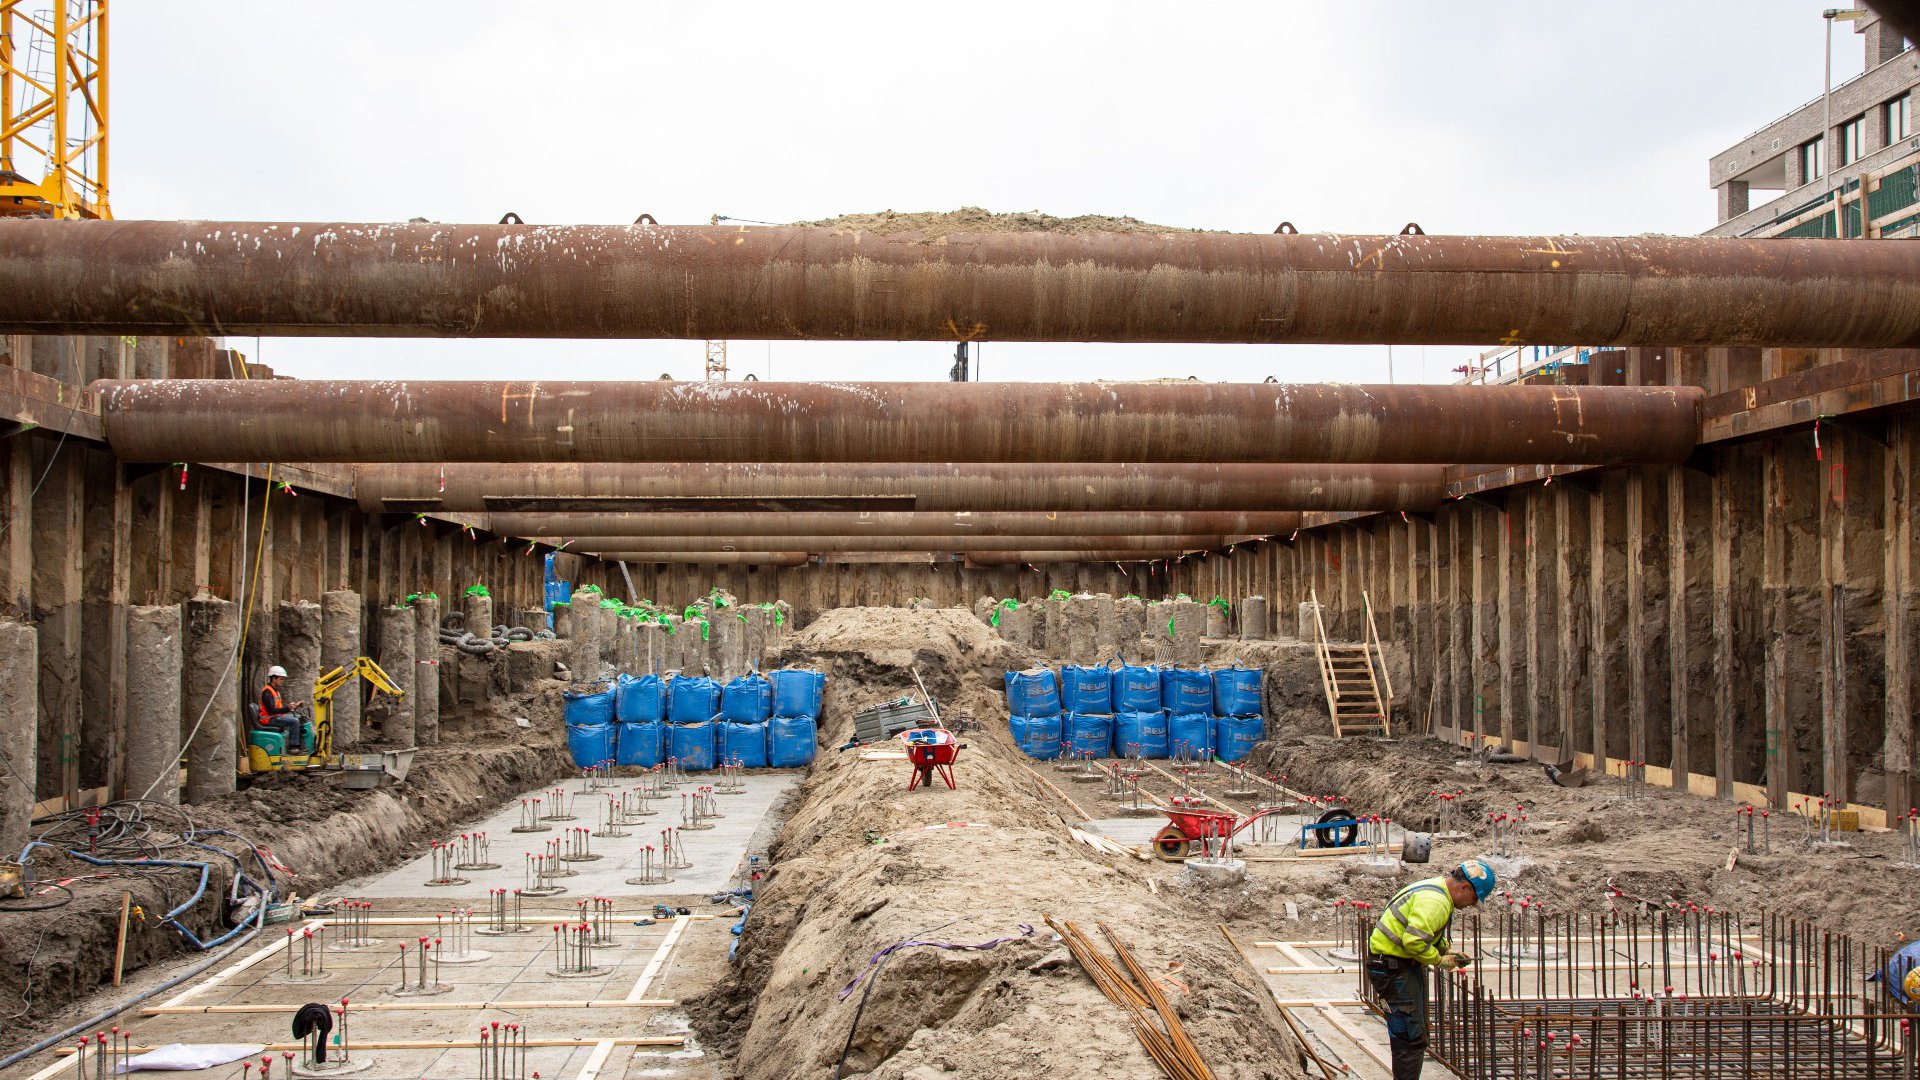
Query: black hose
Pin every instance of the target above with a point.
(474, 646)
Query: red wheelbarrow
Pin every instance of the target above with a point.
(931, 751)
(1189, 824)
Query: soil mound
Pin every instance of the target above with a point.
(863, 865)
(972, 219)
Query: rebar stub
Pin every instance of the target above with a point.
(590, 972)
(411, 990)
(334, 1068)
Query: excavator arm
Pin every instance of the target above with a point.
(327, 685)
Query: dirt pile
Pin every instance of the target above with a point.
(863, 865)
(935, 224)
(1578, 842)
(324, 832)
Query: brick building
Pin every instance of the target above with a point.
(1786, 178)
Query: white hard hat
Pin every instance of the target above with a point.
(276, 670)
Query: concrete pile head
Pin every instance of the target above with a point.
(1129, 630)
(430, 661)
(1254, 619)
(1219, 619)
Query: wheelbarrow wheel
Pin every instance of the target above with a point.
(1332, 838)
(1171, 845)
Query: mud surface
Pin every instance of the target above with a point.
(972, 219)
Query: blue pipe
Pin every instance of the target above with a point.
(171, 918)
(739, 928)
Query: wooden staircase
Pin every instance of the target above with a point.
(1352, 680)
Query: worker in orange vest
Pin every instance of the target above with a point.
(277, 714)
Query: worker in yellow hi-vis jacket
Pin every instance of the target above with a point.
(1410, 937)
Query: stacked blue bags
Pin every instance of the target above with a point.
(746, 704)
(1139, 722)
(640, 707)
(1033, 708)
(1187, 696)
(590, 734)
(1086, 693)
(1135, 711)
(1238, 724)
(793, 731)
(692, 705)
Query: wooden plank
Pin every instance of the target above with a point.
(1636, 586)
(1538, 695)
(1353, 1033)
(120, 943)
(1460, 672)
(1774, 617)
(1565, 674)
(1677, 636)
(1504, 615)
(1599, 686)
(596, 1061)
(1721, 541)
(1833, 598)
(1897, 594)
(659, 960)
(1480, 628)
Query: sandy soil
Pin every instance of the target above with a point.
(972, 219)
(1580, 843)
(857, 870)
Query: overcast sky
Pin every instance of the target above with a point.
(1488, 117)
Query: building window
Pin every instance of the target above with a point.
(1813, 160)
(1898, 117)
(1853, 141)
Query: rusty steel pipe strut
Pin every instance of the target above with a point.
(579, 528)
(322, 420)
(627, 489)
(800, 282)
(1016, 558)
(716, 558)
(599, 545)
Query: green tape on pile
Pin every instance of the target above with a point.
(477, 590)
(1169, 629)
(1005, 605)
(1220, 603)
(1059, 594)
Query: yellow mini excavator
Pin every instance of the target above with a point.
(267, 749)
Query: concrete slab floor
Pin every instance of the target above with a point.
(716, 853)
(513, 985)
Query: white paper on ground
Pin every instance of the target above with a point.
(184, 1057)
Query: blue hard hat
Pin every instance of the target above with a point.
(1479, 875)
